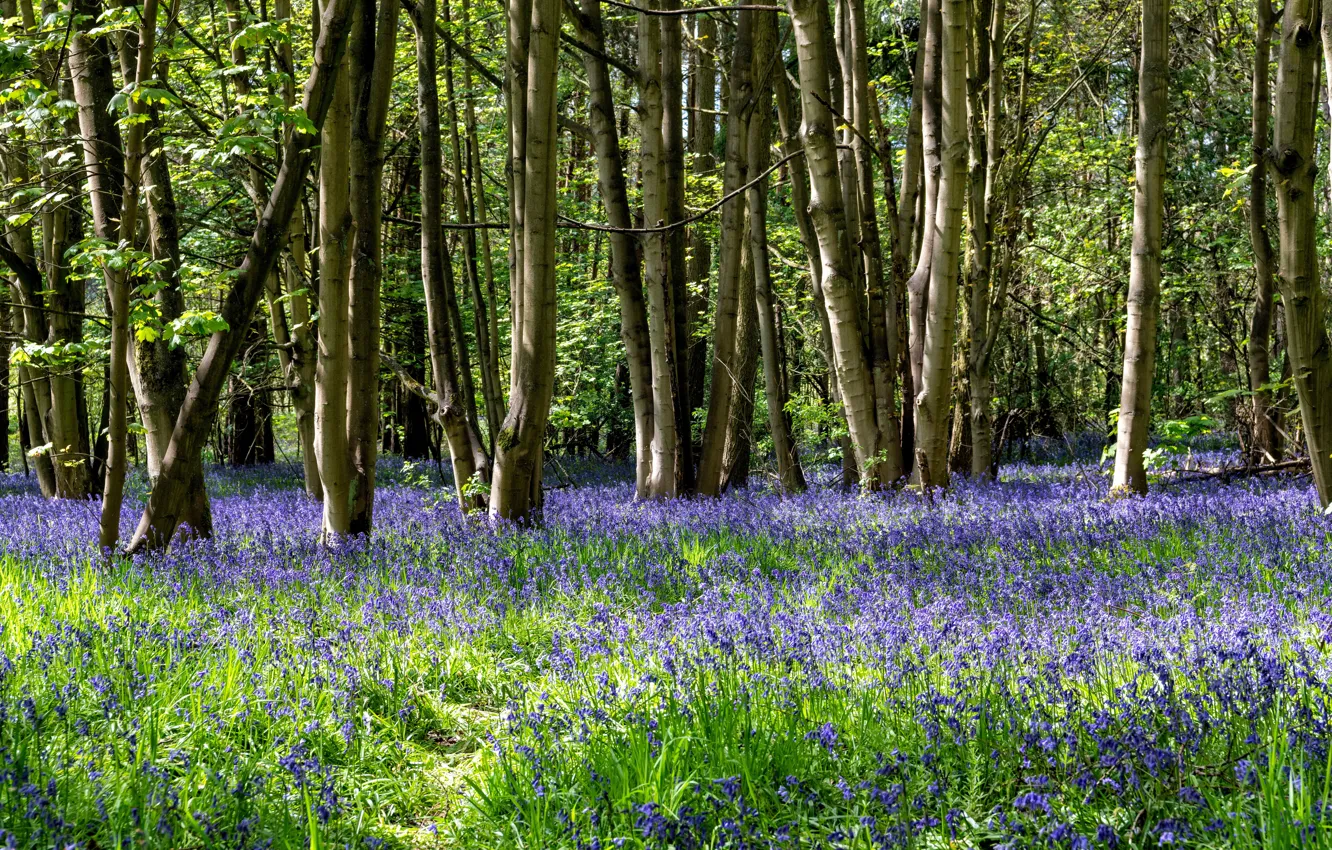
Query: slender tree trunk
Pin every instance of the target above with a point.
(1265, 438)
(516, 492)
(881, 296)
(371, 54)
(656, 275)
(462, 203)
(703, 137)
(738, 451)
(624, 265)
(789, 473)
(333, 365)
(740, 103)
(1144, 298)
(298, 365)
(677, 268)
(92, 82)
(478, 199)
(988, 287)
(465, 446)
(936, 373)
(931, 129)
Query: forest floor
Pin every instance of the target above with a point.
(1027, 664)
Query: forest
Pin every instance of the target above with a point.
(631, 423)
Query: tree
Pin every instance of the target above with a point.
(1295, 165)
(516, 488)
(169, 499)
(936, 372)
(469, 456)
(1144, 298)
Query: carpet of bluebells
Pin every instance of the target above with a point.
(1029, 664)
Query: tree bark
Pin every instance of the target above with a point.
(1265, 437)
(936, 373)
(371, 54)
(333, 365)
(465, 447)
(298, 361)
(656, 275)
(516, 491)
(881, 296)
(1295, 166)
(677, 268)
(491, 393)
(790, 476)
(624, 265)
(827, 212)
(931, 130)
(1144, 298)
(735, 173)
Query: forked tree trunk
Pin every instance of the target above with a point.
(468, 454)
(710, 464)
(1144, 297)
(656, 274)
(827, 212)
(169, 499)
(931, 130)
(516, 490)
(1265, 437)
(936, 373)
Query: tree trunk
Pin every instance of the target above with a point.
(333, 366)
(735, 173)
(986, 298)
(462, 204)
(936, 373)
(1295, 166)
(850, 367)
(931, 130)
(790, 476)
(677, 268)
(371, 54)
(625, 270)
(738, 452)
(92, 85)
(1144, 298)
(656, 275)
(465, 447)
(516, 491)
(298, 361)
(881, 296)
(703, 137)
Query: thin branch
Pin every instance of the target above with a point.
(696, 10)
(664, 228)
